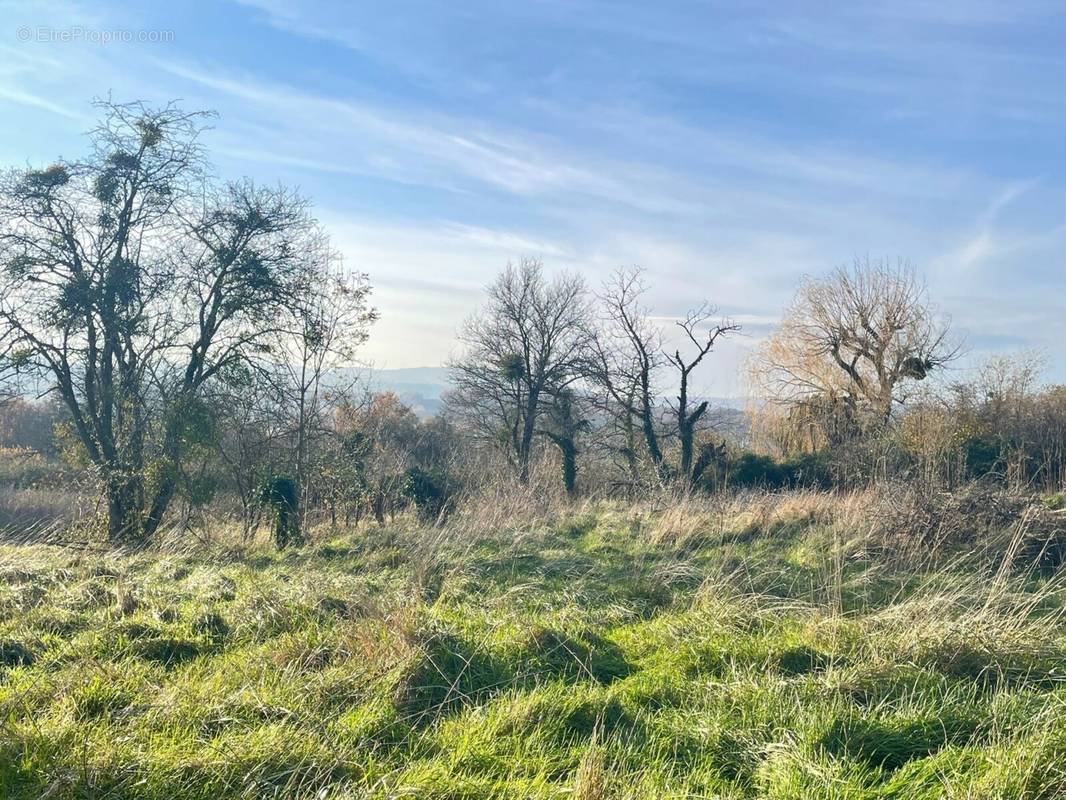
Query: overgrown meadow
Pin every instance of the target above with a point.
(876, 644)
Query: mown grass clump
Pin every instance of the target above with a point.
(762, 650)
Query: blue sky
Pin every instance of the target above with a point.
(728, 147)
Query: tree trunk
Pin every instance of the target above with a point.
(569, 466)
(687, 433)
(568, 451)
(686, 452)
(154, 518)
(528, 429)
(647, 422)
(168, 486)
(125, 503)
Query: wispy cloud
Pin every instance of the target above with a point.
(728, 148)
(36, 101)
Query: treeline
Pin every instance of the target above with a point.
(851, 388)
(190, 339)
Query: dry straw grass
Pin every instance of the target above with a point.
(792, 645)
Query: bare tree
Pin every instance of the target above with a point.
(314, 356)
(703, 335)
(523, 348)
(1005, 419)
(854, 341)
(626, 359)
(280, 412)
(251, 440)
(623, 360)
(380, 443)
(130, 281)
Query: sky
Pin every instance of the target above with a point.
(728, 148)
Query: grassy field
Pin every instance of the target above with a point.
(776, 647)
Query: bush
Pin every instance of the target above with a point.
(430, 492)
(754, 471)
(282, 496)
(751, 470)
(982, 457)
(810, 471)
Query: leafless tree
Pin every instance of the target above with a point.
(314, 357)
(626, 359)
(523, 348)
(1007, 419)
(854, 341)
(565, 420)
(702, 335)
(623, 361)
(252, 439)
(380, 440)
(129, 281)
(280, 412)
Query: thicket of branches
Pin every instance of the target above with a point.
(191, 345)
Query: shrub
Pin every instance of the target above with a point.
(282, 495)
(430, 492)
(981, 456)
(754, 471)
(810, 471)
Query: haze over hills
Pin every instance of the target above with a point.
(419, 387)
(423, 387)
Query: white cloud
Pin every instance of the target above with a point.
(674, 157)
(23, 98)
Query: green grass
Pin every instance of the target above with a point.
(608, 654)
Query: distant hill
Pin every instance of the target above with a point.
(419, 387)
(422, 388)
(429, 381)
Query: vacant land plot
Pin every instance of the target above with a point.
(779, 649)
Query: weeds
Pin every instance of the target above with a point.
(765, 646)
